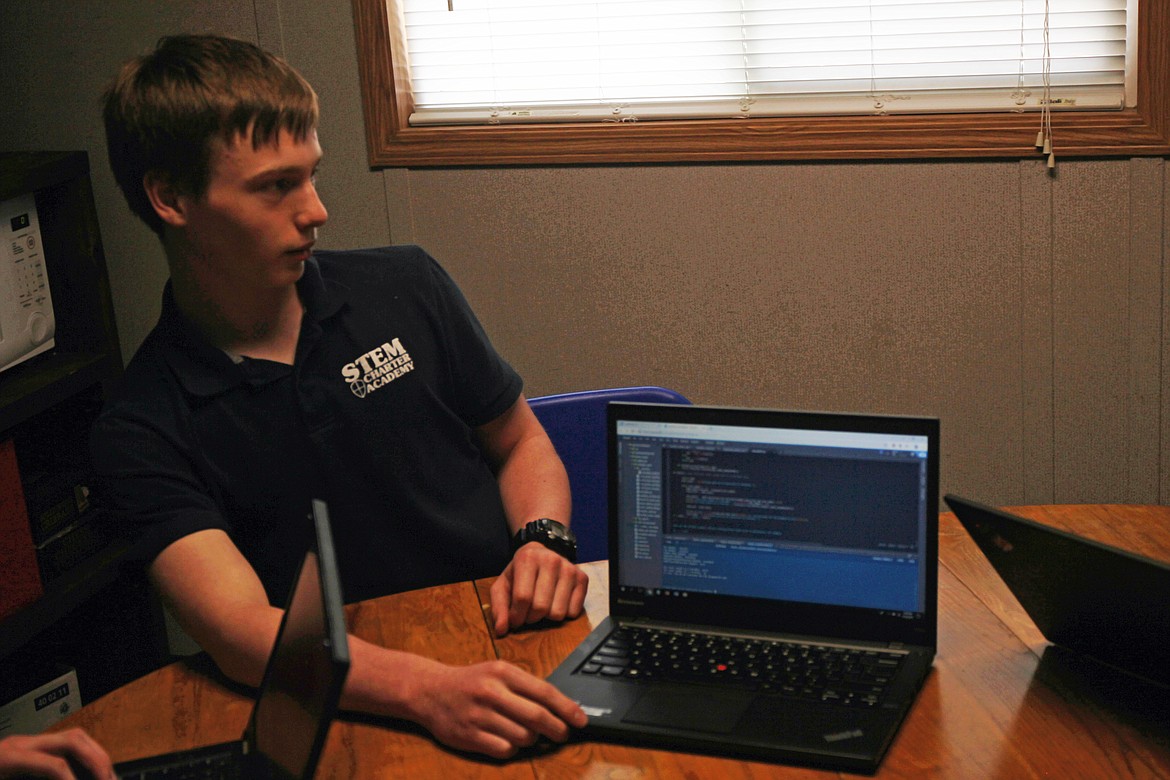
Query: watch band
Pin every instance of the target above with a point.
(553, 535)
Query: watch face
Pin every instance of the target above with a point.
(551, 529)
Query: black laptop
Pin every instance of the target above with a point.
(773, 583)
(298, 697)
(1089, 597)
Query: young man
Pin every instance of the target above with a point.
(277, 374)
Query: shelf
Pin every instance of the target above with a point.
(62, 596)
(96, 615)
(46, 381)
(22, 172)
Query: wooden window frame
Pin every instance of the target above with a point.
(392, 142)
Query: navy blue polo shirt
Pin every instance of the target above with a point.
(377, 414)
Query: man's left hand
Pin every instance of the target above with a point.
(538, 584)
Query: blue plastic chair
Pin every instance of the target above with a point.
(576, 424)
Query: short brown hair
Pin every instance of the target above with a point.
(165, 109)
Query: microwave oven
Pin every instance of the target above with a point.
(27, 324)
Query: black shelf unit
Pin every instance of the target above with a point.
(87, 350)
(96, 616)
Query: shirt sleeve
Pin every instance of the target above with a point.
(485, 383)
(147, 486)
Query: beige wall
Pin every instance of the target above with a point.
(1024, 310)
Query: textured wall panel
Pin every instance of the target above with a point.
(884, 288)
(1036, 377)
(1143, 429)
(1091, 268)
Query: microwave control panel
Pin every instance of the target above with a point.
(27, 325)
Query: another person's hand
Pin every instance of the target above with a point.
(63, 756)
(493, 708)
(537, 584)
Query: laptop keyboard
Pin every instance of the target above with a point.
(847, 676)
(194, 765)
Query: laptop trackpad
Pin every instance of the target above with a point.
(709, 711)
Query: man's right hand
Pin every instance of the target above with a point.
(493, 708)
(60, 756)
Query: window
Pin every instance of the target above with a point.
(494, 61)
(408, 125)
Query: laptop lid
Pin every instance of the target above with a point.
(302, 683)
(809, 523)
(1084, 595)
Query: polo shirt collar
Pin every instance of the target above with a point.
(205, 370)
(322, 297)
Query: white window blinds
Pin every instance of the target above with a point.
(497, 61)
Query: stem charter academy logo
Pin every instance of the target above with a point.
(377, 368)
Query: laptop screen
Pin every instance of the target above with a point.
(299, 694)
(807, 510)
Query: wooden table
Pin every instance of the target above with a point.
(999, 703)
